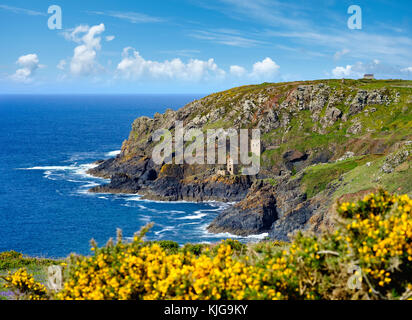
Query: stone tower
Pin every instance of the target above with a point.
(230, 166)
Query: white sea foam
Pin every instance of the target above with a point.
(191, 217)
(134, 198)
(219, 208)
(75, 181)
(77, 169)
(199, 214)
(260, 236)
(68, 172)
(56, 168)
(188, 223)
(112, 153)
(252, 237)
(160, 201)
(165, 229)
(82, 169)
(90, 185)
(145, 218)
(225, 235)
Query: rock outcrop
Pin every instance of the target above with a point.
(303, 125)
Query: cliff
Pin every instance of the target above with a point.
(321, 141)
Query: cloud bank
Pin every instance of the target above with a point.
(29, 64)
(134, 66)
(84, 61)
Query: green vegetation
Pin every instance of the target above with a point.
(366, 177)
(167, 245)
(12, 260)
(316, 178)
(368, 256)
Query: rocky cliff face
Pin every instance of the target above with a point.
(320, 140)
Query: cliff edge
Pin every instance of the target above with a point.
(321, 141)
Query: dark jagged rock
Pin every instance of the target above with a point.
(296, 219)
(255, 214)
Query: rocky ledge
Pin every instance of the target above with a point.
(321, 140)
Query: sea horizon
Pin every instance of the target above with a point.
(48, 143)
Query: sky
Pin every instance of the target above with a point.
(197, 46)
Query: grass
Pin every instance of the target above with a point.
(366, 177)
(12, 260)
(316, 178)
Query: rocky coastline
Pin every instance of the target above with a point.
(313, 135)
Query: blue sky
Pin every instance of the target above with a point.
(197, 46)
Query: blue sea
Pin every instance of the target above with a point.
(48, 142)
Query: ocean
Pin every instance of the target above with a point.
(47, 143)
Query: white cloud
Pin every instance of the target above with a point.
(265, 70)
(133, 17)
(134, 66)
(22, 10)
(84, 61)
(340, 54)
(237, 71)
(110, 38)
(62, 64)
(341, 72)
(227, 37)
(392, 49)
(376, 67)
(408, 69)
(29, 64)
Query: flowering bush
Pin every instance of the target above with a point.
(369, 256)
(141, 271)
(24, 286)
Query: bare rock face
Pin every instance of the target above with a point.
(395, 159)
(364, 98)
(294, 155)
(331, 116)
(253, 215)
(307, 97)
(269, 121)
(319, 101)
(356, 128)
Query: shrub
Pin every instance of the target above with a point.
(368, 256)
(13, 260)
(24, 286)
(168, 245)
(136, 271)
(237, 247)
(196, 249)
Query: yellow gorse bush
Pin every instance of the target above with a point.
(369, 256)
(25, 286)
(380, 236)
(134, 271)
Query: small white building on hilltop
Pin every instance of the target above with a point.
(369, 76)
